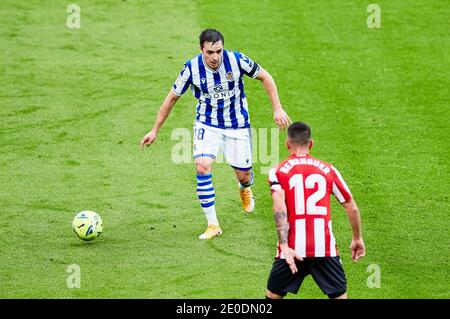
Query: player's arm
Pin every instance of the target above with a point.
(280, 215)
(279, 115)
(163, 113)
(282, 226)
(344, 196)
(357, 245)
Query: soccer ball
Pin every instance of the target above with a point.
(88, 225)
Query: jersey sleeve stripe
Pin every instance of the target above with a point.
(183, 81)
(175, 92)
(255, 70)
(273, 176)
(275, 187)
(341, 180)
(338, 194)
(187, 73)
(273, 180)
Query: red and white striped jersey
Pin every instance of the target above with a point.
(308, 184)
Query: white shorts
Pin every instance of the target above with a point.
(235, 143)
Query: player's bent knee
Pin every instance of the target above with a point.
(244, 176)
(272, 295)
(203, 168)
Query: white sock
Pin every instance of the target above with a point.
(210, 213)
(206, 195)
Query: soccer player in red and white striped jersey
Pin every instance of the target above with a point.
(301, 187)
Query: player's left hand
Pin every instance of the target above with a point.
(357, 248)
(281, 119)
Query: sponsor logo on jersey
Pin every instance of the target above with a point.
(220, 95)
(218, 88)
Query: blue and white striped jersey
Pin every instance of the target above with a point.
(221, 98)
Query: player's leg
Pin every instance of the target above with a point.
(245, 179)
(338, 295)
(272, 295)
(238, 153)
(203, 165)
(244, 176)
(206, 196)
(282, 280)
(205, 151)
(329, 275)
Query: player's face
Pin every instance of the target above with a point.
(212, 52)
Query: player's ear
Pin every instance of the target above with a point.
(288, 145)
(311, 143)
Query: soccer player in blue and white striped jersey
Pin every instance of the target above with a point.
(216, 79)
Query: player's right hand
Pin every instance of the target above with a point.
(148, 139)
(281, 119)
(291, 255)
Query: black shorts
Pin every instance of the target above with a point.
(327, 272)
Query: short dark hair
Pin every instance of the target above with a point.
(210, 35)
(299, 133)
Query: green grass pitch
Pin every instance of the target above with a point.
(74, 104)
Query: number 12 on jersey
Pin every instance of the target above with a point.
(308, 205)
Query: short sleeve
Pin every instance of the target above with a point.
(340, 188)
(248, 66)
(273, 181)
(183, 81)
